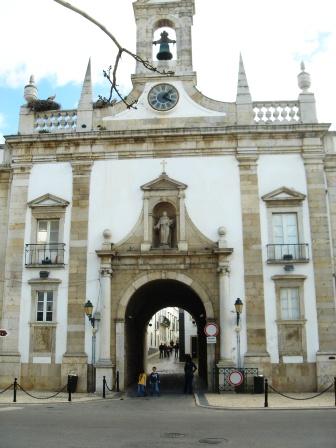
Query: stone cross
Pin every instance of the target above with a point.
(163, 163)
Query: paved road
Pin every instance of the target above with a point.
(168, 421)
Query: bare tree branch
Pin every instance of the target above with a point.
(121, 50)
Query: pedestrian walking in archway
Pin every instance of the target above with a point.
(189, 370)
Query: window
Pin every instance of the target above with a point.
(290, 311)
(290, 303)
(285, 229)
(44, 308)
(285, 226)
(47, 231)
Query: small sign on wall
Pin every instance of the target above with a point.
(211, 339)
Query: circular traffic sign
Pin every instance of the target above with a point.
(211, 329)
(3, 332)
(235, 378)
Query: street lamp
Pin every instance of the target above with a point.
(88, 308)
(239, 309)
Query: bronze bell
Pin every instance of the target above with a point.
(164, 53)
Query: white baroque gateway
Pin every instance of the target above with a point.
(244, 205)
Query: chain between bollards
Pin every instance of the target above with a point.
(266, 393)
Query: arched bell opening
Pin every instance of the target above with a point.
(145, 302)
(164, 41)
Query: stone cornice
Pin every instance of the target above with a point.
(176, 142)
(254, 131)
(113, 254)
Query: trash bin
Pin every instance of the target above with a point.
(72, 383)
(258, 384)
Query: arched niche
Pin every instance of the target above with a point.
(164, 195)
(158, 212)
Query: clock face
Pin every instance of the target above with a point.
(163, 97)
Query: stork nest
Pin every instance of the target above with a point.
(43, 105)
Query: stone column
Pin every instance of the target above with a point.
(323, 261)
(75, 358)
(104, 363)
(9, 346)
(225, 307)
(256, 354)
(120, 352)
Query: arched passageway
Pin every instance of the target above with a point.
(145, 302)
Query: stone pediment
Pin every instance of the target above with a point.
(283, 196)
(163, 182)
(48, 200)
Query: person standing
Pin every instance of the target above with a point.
(189, 370)
(142, 381)
(161, 349)
(176, 349)
(154, 382)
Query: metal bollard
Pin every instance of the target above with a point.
(104, 385)
(266, 394)
(118, 390)
(335, 388)
(14, 390)
(69, 389)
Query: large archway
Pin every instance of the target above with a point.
(146, 301)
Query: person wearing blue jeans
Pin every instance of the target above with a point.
(154, 382)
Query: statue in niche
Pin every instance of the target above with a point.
(164, 226)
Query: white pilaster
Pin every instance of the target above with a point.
(182, 243)
(104, 364)
(225, 315)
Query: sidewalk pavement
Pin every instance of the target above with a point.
(232, 400)
(23, 398)
(227, 400)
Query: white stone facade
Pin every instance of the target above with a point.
(264, 173)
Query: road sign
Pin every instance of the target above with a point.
(211, 329)
(236, 378)
(211, 339)
(3, 332)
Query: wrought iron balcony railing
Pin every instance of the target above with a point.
(44, 254)
(277, 253)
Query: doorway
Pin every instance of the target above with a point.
(145, 302)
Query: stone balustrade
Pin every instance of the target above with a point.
(55, 121)
(276, 112)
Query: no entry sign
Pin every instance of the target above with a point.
(235, 378)
(211, 329)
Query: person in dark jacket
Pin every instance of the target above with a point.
(189, 370)
(154, 382)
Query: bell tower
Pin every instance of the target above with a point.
(177, 17)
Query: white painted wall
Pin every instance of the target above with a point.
(57, 180)
(185, 107)
(275, 171)
(212, 200)
(189, 330)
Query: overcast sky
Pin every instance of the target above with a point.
(43, 38)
